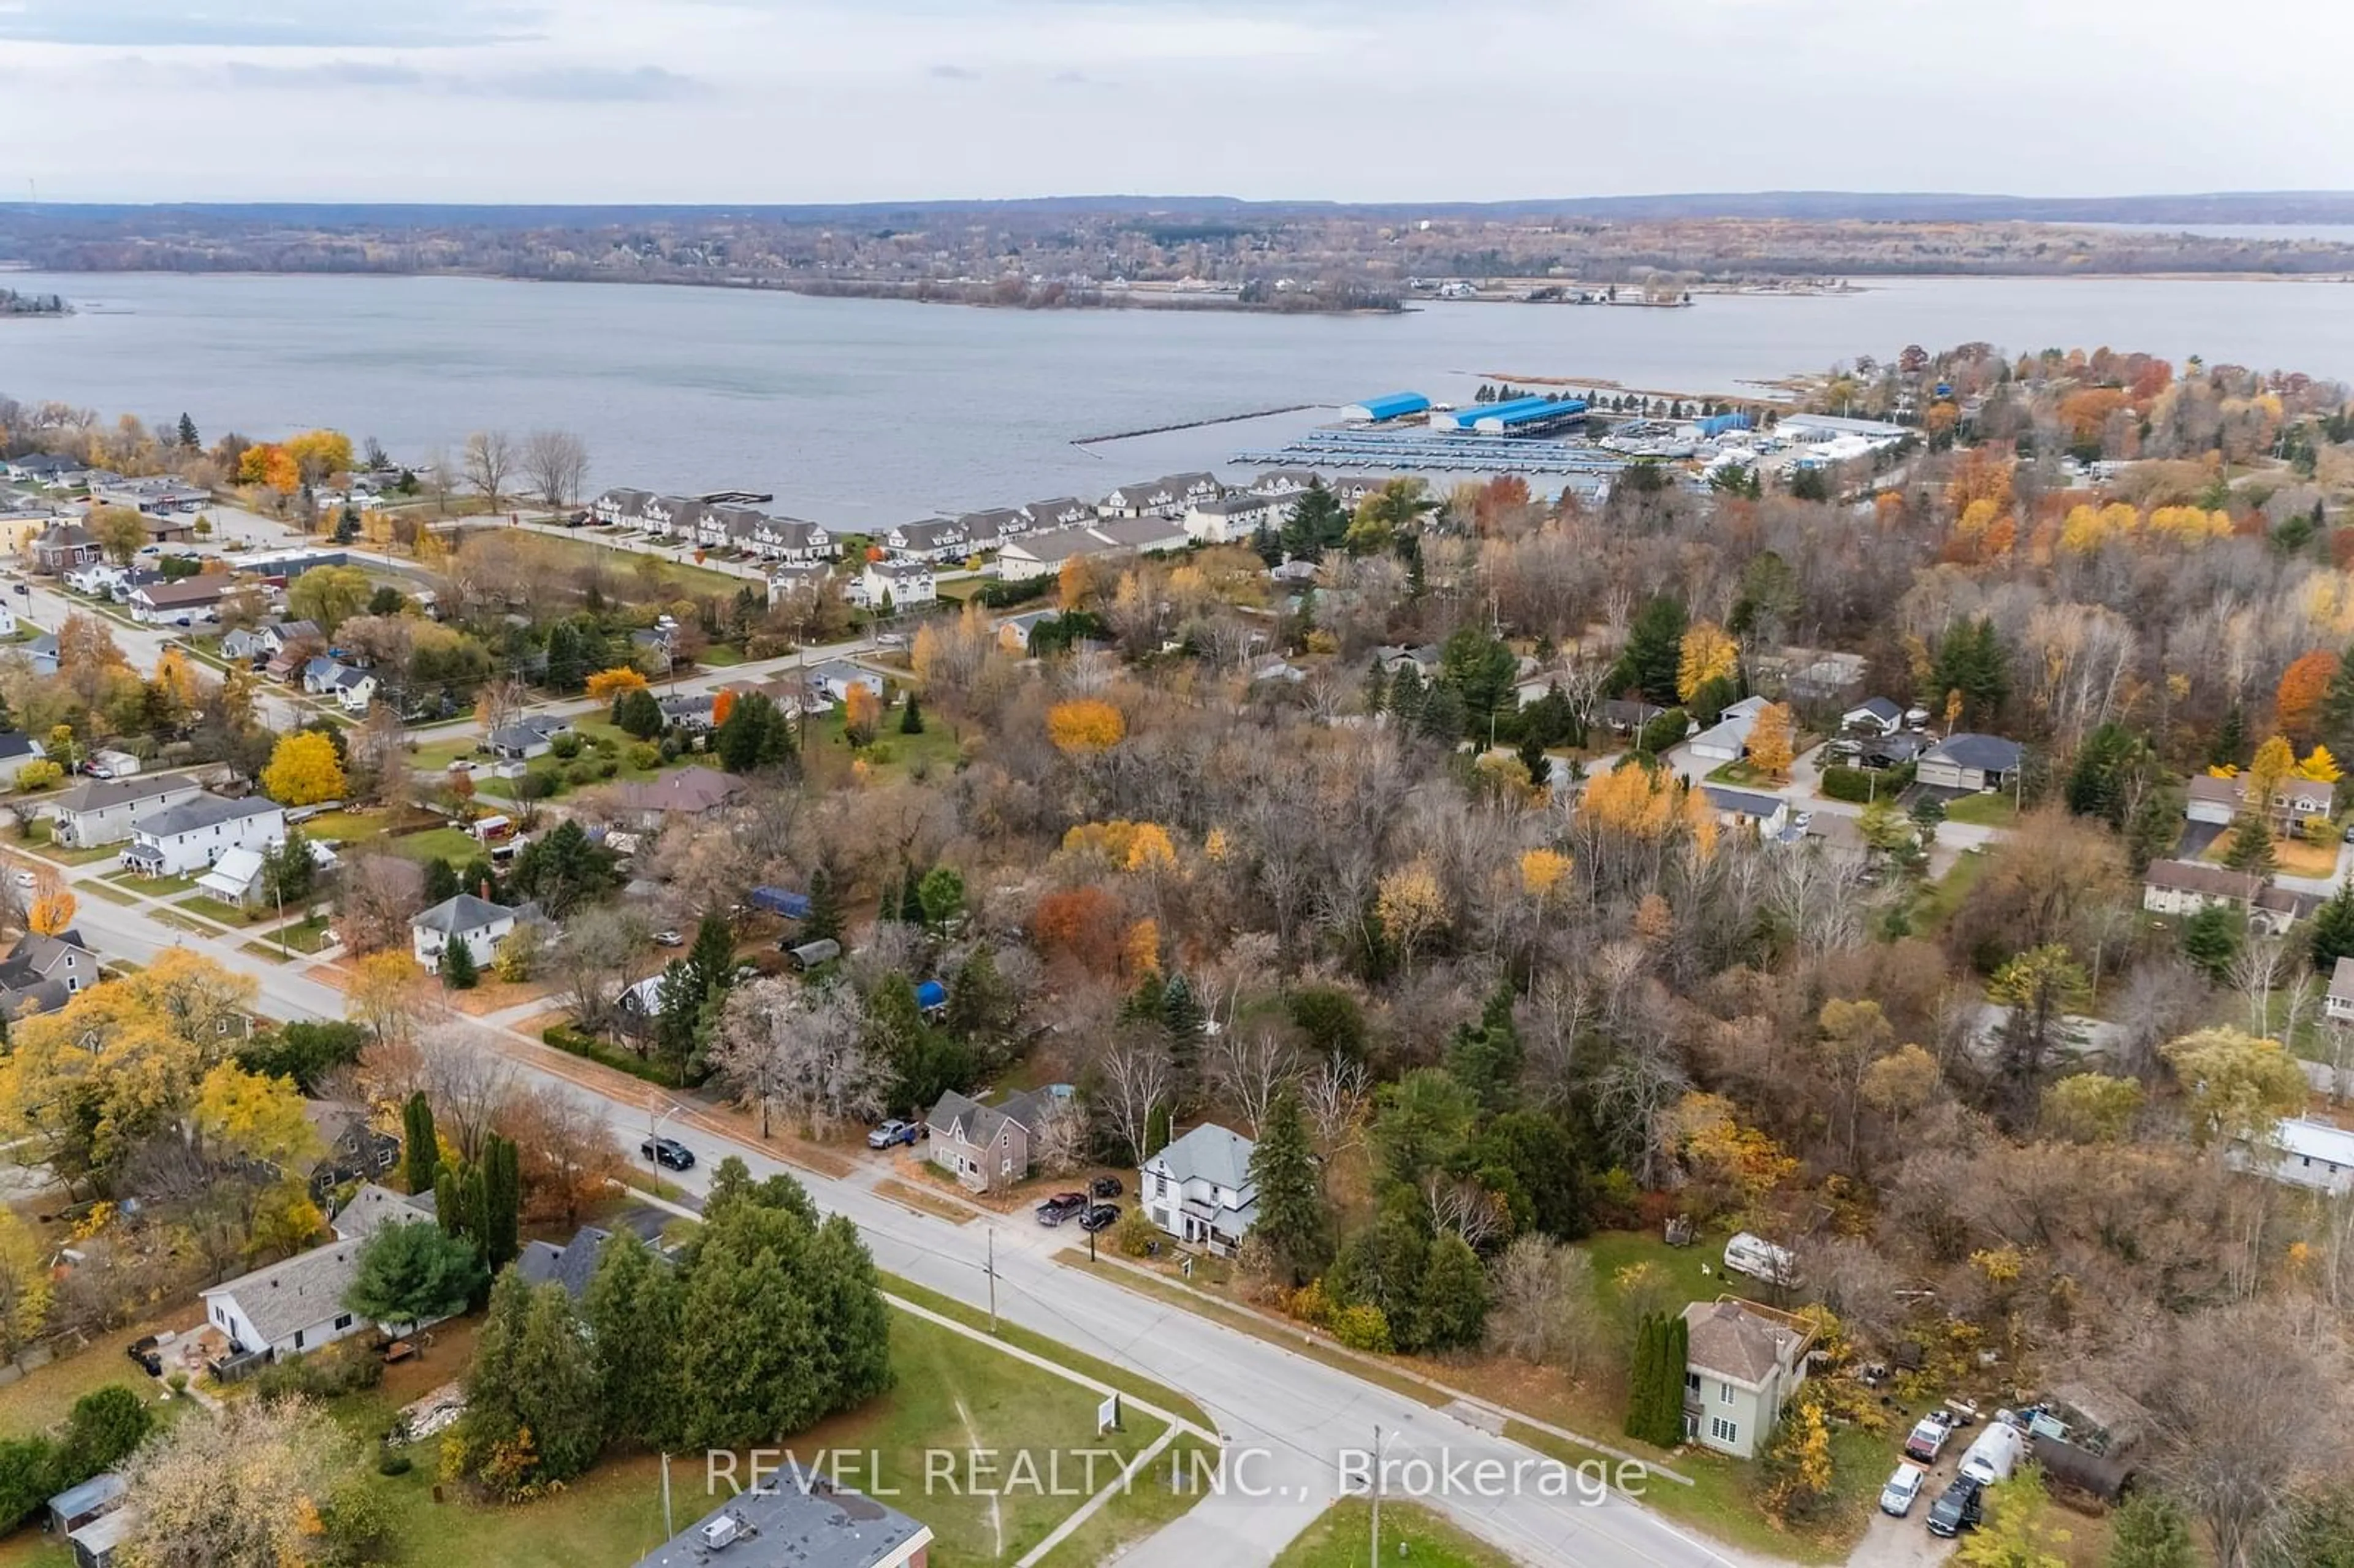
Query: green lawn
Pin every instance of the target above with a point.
(720, 656)
(1410, 1532)
(212, 908)
(107, 891)
(677, 579)
(1937, 901)
(153, 886)
(950, 1394)
(937, 749)
(64, 856)
(40, 1399)
(1173, 1482)
(455, 846)
(1983, 810)
(1054, 1351)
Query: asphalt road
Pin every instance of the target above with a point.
(1287, 1421)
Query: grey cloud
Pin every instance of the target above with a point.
(956, 73)
(582, 84)
(577, 84)
(264, 24)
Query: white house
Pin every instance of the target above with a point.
(1966, 761)
(180, 603)
(2338, 1000)
(933, 539)
(298, 1305)
(1741, 1366)
(2302, 1153)
(1225, 519)
(903, 583)
(1199, 1189)
(1873, 715)
(1727, 740)
(477, 921)
(1769, 814)
(2207, 798)
(95, 577)
(101, 811)
(16, 749)
(1043, 554)
(838, 677)
(197, 831)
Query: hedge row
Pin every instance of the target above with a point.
(572, 1043)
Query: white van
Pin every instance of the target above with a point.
(1995, 1454)
(1761, 1259)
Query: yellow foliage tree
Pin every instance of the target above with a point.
(318, 453)
(177, 676)
(607, 684)
(2236, 1085)
(1215, 846)
(257, 1117)
(2319, 767)
(383, 993)
(1142, 947)
(24, 1288)
(862, 713)
(304, 771)
(1770, 743)
(1084, 724)
(1543, 873)
(1741, 1162)
(1707, 655)
(1410, 906)
(52, 908)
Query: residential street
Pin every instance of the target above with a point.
(1287, 1418)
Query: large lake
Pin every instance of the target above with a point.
(864, 412)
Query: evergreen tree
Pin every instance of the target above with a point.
(1535, 1161)
(188, 442)
(1157, 1130)
(1317, 522)
(678, 1013)
(2108, 765)
(2150, 1531)
(1643, 1374)
(501, 1202)
(458, 970)
(1181, 1016)
(1654, 653)
(823, 921)
(711, 961)
(568, 666)
(559, 1397)
(420, 1148)
(940, 897)
(754, 735)
(2231, 748)
(911, 900)
(1550, 721)
(1535, 762)
(632, 1308)
(911, 716)
(982, 1006)
(2251, 848)
(1454, 1296)
(2335, 729)
(1292, 1218)
(2210, 938)
(1267, 544)
(1444, 717)
(1485, 1057)
(412, 1273)
(637, 713)
(2333, 929)
(895, 1031)
(1406, 697)
(440, 882)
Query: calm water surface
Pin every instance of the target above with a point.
(866, 412)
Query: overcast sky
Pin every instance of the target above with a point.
(786, 101)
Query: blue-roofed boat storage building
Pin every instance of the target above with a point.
(1520, 417)
(1381, 410)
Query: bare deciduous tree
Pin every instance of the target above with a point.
(598, 949)
(1249, 1068)
(801, 1049)
(1136, 1080)
(557, 464)
(490, 462)
(1544, 1308)
(1468, 1209)
(1335, 1096)
(1058, 1140)
(500, 703)
(377, 894)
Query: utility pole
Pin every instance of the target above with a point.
(667, 1530)
(1377, 1495)
(992, 1280)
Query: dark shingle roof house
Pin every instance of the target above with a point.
(572, 1265)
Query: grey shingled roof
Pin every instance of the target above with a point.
(983, 1123)
(1210, 1153)
(462, 913)
(97, 794)
(309, 1287)
(204, 812)
(572, 1266)
(1983, 753)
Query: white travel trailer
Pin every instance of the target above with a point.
(1761, 1259)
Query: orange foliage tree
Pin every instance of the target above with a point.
(1084, 724)
(722, 705)
(1082, 922)
(1770, 744)
(2303, 686)
(862, 713)
(51, 908)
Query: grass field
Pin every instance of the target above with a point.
(949, 1395)
(2293, 856)
(1983, 810)
(1158, 1493)
(1410, 1532)
(676, 579)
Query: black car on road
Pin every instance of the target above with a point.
(668, 1151)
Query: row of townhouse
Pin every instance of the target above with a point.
(715, 524)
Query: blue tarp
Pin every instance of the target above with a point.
(931, 994)
(779, 901)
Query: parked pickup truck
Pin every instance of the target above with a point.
(892, 1133)
(1061, 1207)
(1928, 1437)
